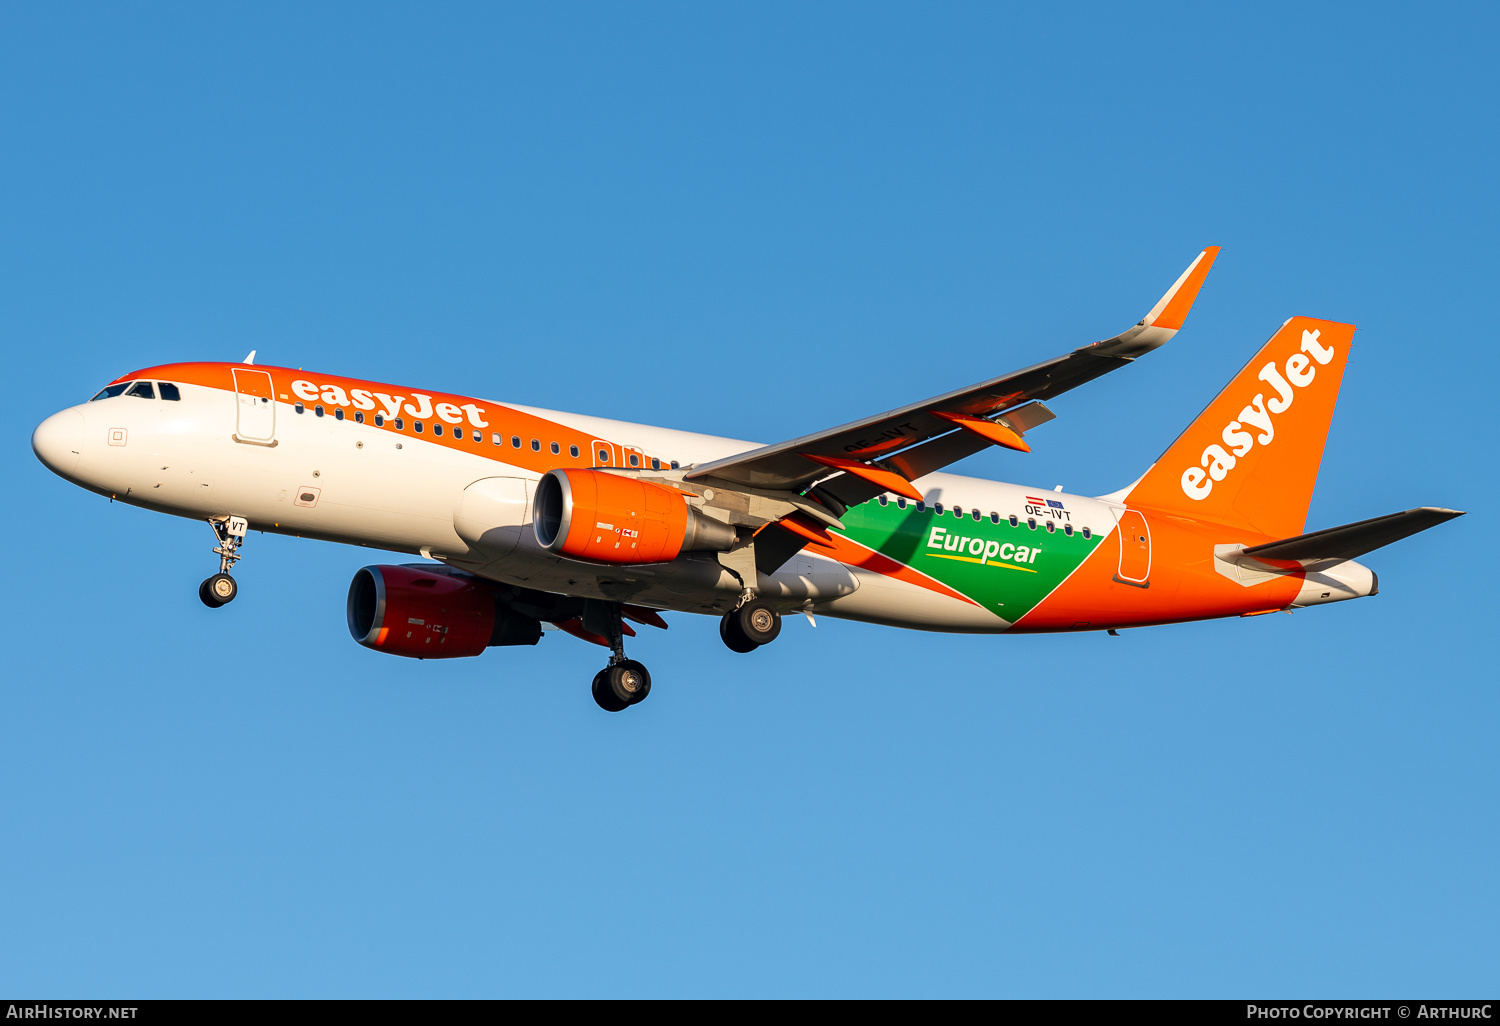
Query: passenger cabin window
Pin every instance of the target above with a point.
(921, 507)
(937, 507)
(110, 391)
(536, 445)
(1013, 521)
(359, 418)
(655, 463)
(142, 390)
(994, 518)
(1068, 530)
(882, 500)
(400, 424)
(674, 464)
(1031, 523)
(416, 425)
(901, 503)
(556, 449)
(635, 461)
(318, 409)
(1087, 533)
(379, 420)
(437, 429)
(338, 414)
(169, 391)
(1051, 526)
(298, 407)
(515, 441)
(573, 451)
(603, 456)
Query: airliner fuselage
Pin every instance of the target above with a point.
(532, 516)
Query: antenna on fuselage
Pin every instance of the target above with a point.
(250, 358)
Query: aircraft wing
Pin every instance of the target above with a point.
(885, 452)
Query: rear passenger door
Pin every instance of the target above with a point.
(1135, 549)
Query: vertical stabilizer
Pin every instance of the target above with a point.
(1251, 458)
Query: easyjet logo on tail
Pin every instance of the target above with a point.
(1256, 422)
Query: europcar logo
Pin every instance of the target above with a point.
(1217, 460)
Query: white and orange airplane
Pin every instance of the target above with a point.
(537, 517)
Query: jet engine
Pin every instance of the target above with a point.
(414, 611)
(613, 518)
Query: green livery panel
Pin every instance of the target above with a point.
(1005, 569)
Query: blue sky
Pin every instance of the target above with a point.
(753, 221)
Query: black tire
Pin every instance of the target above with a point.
(758, 621)
(729, 631)
(629, 681)
(218, 590)
(604, 696)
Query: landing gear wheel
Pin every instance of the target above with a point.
(218, 590)
(629, 682)
(729, 631)
(604, 695)
(756, 621)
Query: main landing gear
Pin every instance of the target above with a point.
(624, 682)
(220, 589)
(753, 624)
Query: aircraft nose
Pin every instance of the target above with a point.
(58, 442)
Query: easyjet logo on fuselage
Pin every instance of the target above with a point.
(1218, 460)
(391, 405)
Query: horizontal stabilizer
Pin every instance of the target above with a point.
(1352, 540)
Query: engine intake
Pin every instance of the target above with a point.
(613, 518)
(412, 611)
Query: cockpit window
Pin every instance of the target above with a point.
(111, 391)
(169, 391)
(142, 390)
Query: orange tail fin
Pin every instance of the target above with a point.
(1251, 459)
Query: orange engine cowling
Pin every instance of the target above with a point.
(407, 611)
(613, 518)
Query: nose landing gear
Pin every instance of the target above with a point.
(624, 682)
(752, 625)
(220, 589)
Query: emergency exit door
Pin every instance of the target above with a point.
(1135, 550)
(255, 407)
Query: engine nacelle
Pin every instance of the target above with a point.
(411, 611)
(613, 518)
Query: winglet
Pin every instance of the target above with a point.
(1165, 317)
(1172, 309)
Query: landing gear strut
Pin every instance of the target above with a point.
(624, 682)
(220, 589)
(753, 624)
